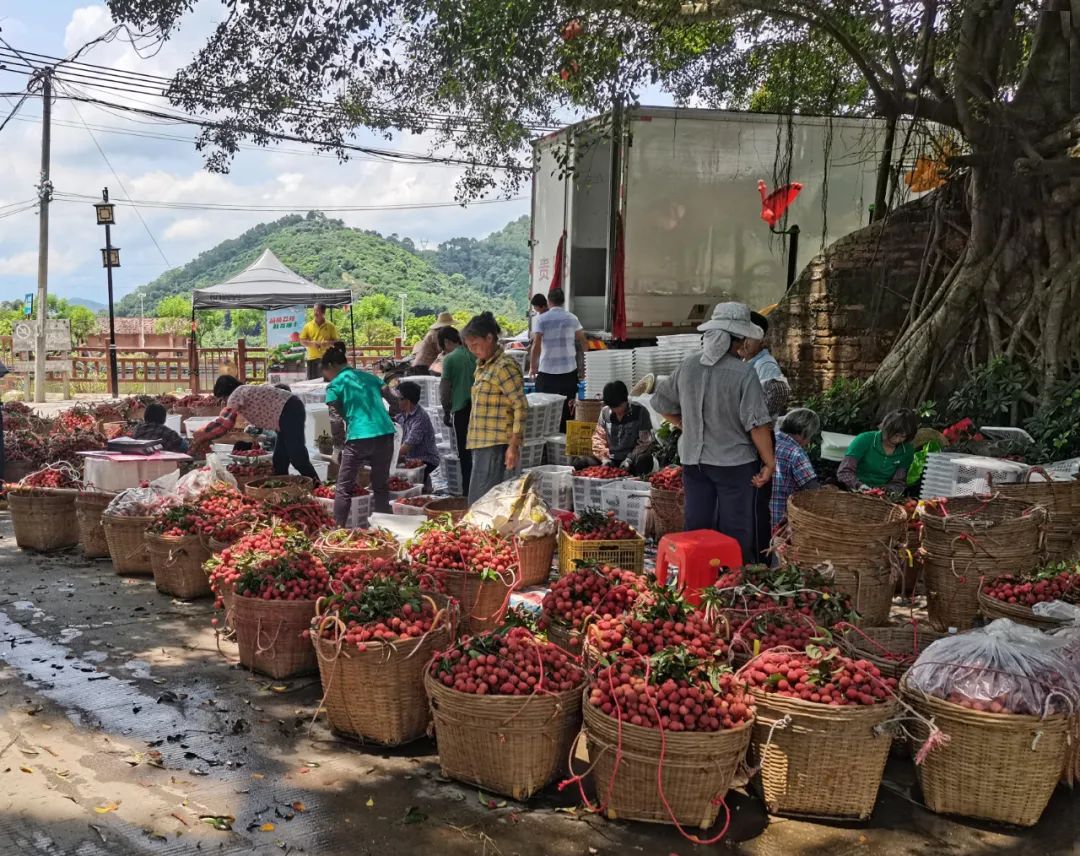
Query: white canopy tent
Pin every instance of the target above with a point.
(265, 284)
(268, 284)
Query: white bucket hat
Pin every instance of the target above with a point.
(733, 318)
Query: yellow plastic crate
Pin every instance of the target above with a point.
(629, 555)
(579, 438)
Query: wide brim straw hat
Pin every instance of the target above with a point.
(733, 318)
(445, 319)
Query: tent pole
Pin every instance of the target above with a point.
(352, 332)
(193, 354)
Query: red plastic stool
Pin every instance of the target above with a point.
(699, 556)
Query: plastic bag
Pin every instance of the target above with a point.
(513, 508)
(215, 472)
(1004, 667)
(146, 501)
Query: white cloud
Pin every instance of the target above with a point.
(25, 263)
(188, 229)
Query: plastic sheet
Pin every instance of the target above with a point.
(146, 501)
(1004, 667)
(514, 508)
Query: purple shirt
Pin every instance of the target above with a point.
(419, 435)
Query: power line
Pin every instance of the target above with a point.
(63, 196)
(120, 181)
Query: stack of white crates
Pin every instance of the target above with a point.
(952, 474)
(555, 486)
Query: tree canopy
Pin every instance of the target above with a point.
(487, 75)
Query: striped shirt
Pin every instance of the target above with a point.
(558, 348)
(498, 403)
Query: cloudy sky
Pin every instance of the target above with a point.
(148, 168)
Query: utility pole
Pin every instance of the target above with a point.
(402, 296)
(44, 197)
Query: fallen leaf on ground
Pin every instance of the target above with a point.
(489, 802)
(413, 815)
(267, 827)
(258, 775)
(298, 807)
(220, 822)
(370, 802)
(26, 769)
(105, 808)
(279, 688)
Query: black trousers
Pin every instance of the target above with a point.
(559, 384)
(290, 447)
(461, 429)
(314, 369)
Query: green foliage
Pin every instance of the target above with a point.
(845, 407)
(333, 255)
(991, 392)
(665, 446)
(1056, 425)
(83, 321)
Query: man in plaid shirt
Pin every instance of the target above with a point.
(794, 472)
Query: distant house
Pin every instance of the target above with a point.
(134, 333)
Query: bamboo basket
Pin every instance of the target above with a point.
(243, 481)
(42, 521)
(456, 506)
(834, 526)
(905, 642)
(534, 560)
(1061, 499)
(570, 640)
(871, 590)
(587, 410)
(177, 564)
(483, 602)
(89, 506)
(127, 544)
(995, 766)
(969, 541)
(697, 771)
(669, 510)
(294, 487)
(378, 694)
(357, 554)
(268, 633)
(510, 745)
(802, 771)
(992, 608)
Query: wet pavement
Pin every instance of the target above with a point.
(125, 728)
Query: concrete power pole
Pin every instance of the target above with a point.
(44, 197)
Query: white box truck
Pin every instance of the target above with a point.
(684, 183)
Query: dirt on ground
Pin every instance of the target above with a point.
(127, 728)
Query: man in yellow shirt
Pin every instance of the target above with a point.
(317, 335)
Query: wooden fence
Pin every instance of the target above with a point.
(180, 368)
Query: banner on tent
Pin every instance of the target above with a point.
(282, 323)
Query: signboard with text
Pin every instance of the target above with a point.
(282, 323)
(57, 335)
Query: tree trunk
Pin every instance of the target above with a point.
(1015, 292)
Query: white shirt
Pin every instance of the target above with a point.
(558, 349)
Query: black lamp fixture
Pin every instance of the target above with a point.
(110, 258)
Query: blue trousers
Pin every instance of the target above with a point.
(722, 499)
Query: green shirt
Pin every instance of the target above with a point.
(458, 369)
(358, 396)
(875, 468)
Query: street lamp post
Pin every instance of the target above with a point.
(402, 296)
(110, 258)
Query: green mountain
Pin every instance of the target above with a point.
(331, 254)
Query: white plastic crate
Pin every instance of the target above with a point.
(555, 451)
(555, 484)
(1063, 470)
(588, 492)
(403, 509)
(358, 514)
(415, 490)
(629, 499)
(949, 474)
(413, 475)
(451, 471)
(532, 455)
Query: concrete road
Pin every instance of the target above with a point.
(125, 728)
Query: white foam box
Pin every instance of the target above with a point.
(104, 474)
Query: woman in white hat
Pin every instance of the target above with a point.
(426, 351)
(727, 445)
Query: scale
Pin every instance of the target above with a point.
(134, 447)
